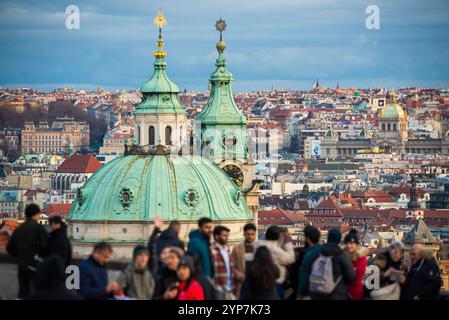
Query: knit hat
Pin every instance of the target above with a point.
(138, 250)
(187, 261)
(334, 236)
(352, 236)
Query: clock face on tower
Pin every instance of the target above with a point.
(235, 173)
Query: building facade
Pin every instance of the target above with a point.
(64, 136)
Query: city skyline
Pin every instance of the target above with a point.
(327, 41)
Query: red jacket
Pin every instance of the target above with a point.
(355, 289)
(193, 292)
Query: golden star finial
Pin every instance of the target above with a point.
(221, 26)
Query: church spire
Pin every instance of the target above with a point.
(221, 107)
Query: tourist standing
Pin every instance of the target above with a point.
(358, 254)
(279, 242)
(136, 280)
(94, 275)
(58, 242)
(189, 288)
(423, 281)
(166, 281)
(28, 244)
(243, 254)
(223, 277)
(50, 282)
(342, 270)
(199, 244)
(261, 276)
(311, 238)
(391, 266)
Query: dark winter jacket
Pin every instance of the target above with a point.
(384, 262)
(168, 238)
(423, 280)
(342, 266)
(49, 282)
(93, 280)
(164, 280)
(59, 244)
(199, 246)
(206, 284)
(28, 241)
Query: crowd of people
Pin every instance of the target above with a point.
(210, 269)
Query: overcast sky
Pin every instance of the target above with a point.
(288, 42)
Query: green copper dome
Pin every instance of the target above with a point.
(159, 82)
(138, 188)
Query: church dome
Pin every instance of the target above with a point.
(392, 111)
(137, 188)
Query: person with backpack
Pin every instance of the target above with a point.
(358, 254)
(312, 237)
(331, 271)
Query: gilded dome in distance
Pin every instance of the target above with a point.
(393, 110)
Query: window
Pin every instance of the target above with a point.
(151, 138)
(383, 126)
(168, 135)
(394, 126)
(138, 135)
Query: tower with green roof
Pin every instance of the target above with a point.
(160, 117)
(220, 127)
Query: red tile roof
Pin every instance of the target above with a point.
(397, 191)
(278, 216)
(58, 209)
(79, 163)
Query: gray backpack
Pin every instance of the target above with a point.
(321, 279)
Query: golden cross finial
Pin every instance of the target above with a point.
(393, 97)
(160, 20)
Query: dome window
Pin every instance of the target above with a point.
(126, 197)
(238, 196)
(192, 197)
(79, 197)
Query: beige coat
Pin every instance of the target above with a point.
(283, 255)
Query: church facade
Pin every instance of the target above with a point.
(163, 175)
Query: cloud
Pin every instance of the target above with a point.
(290, 41)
